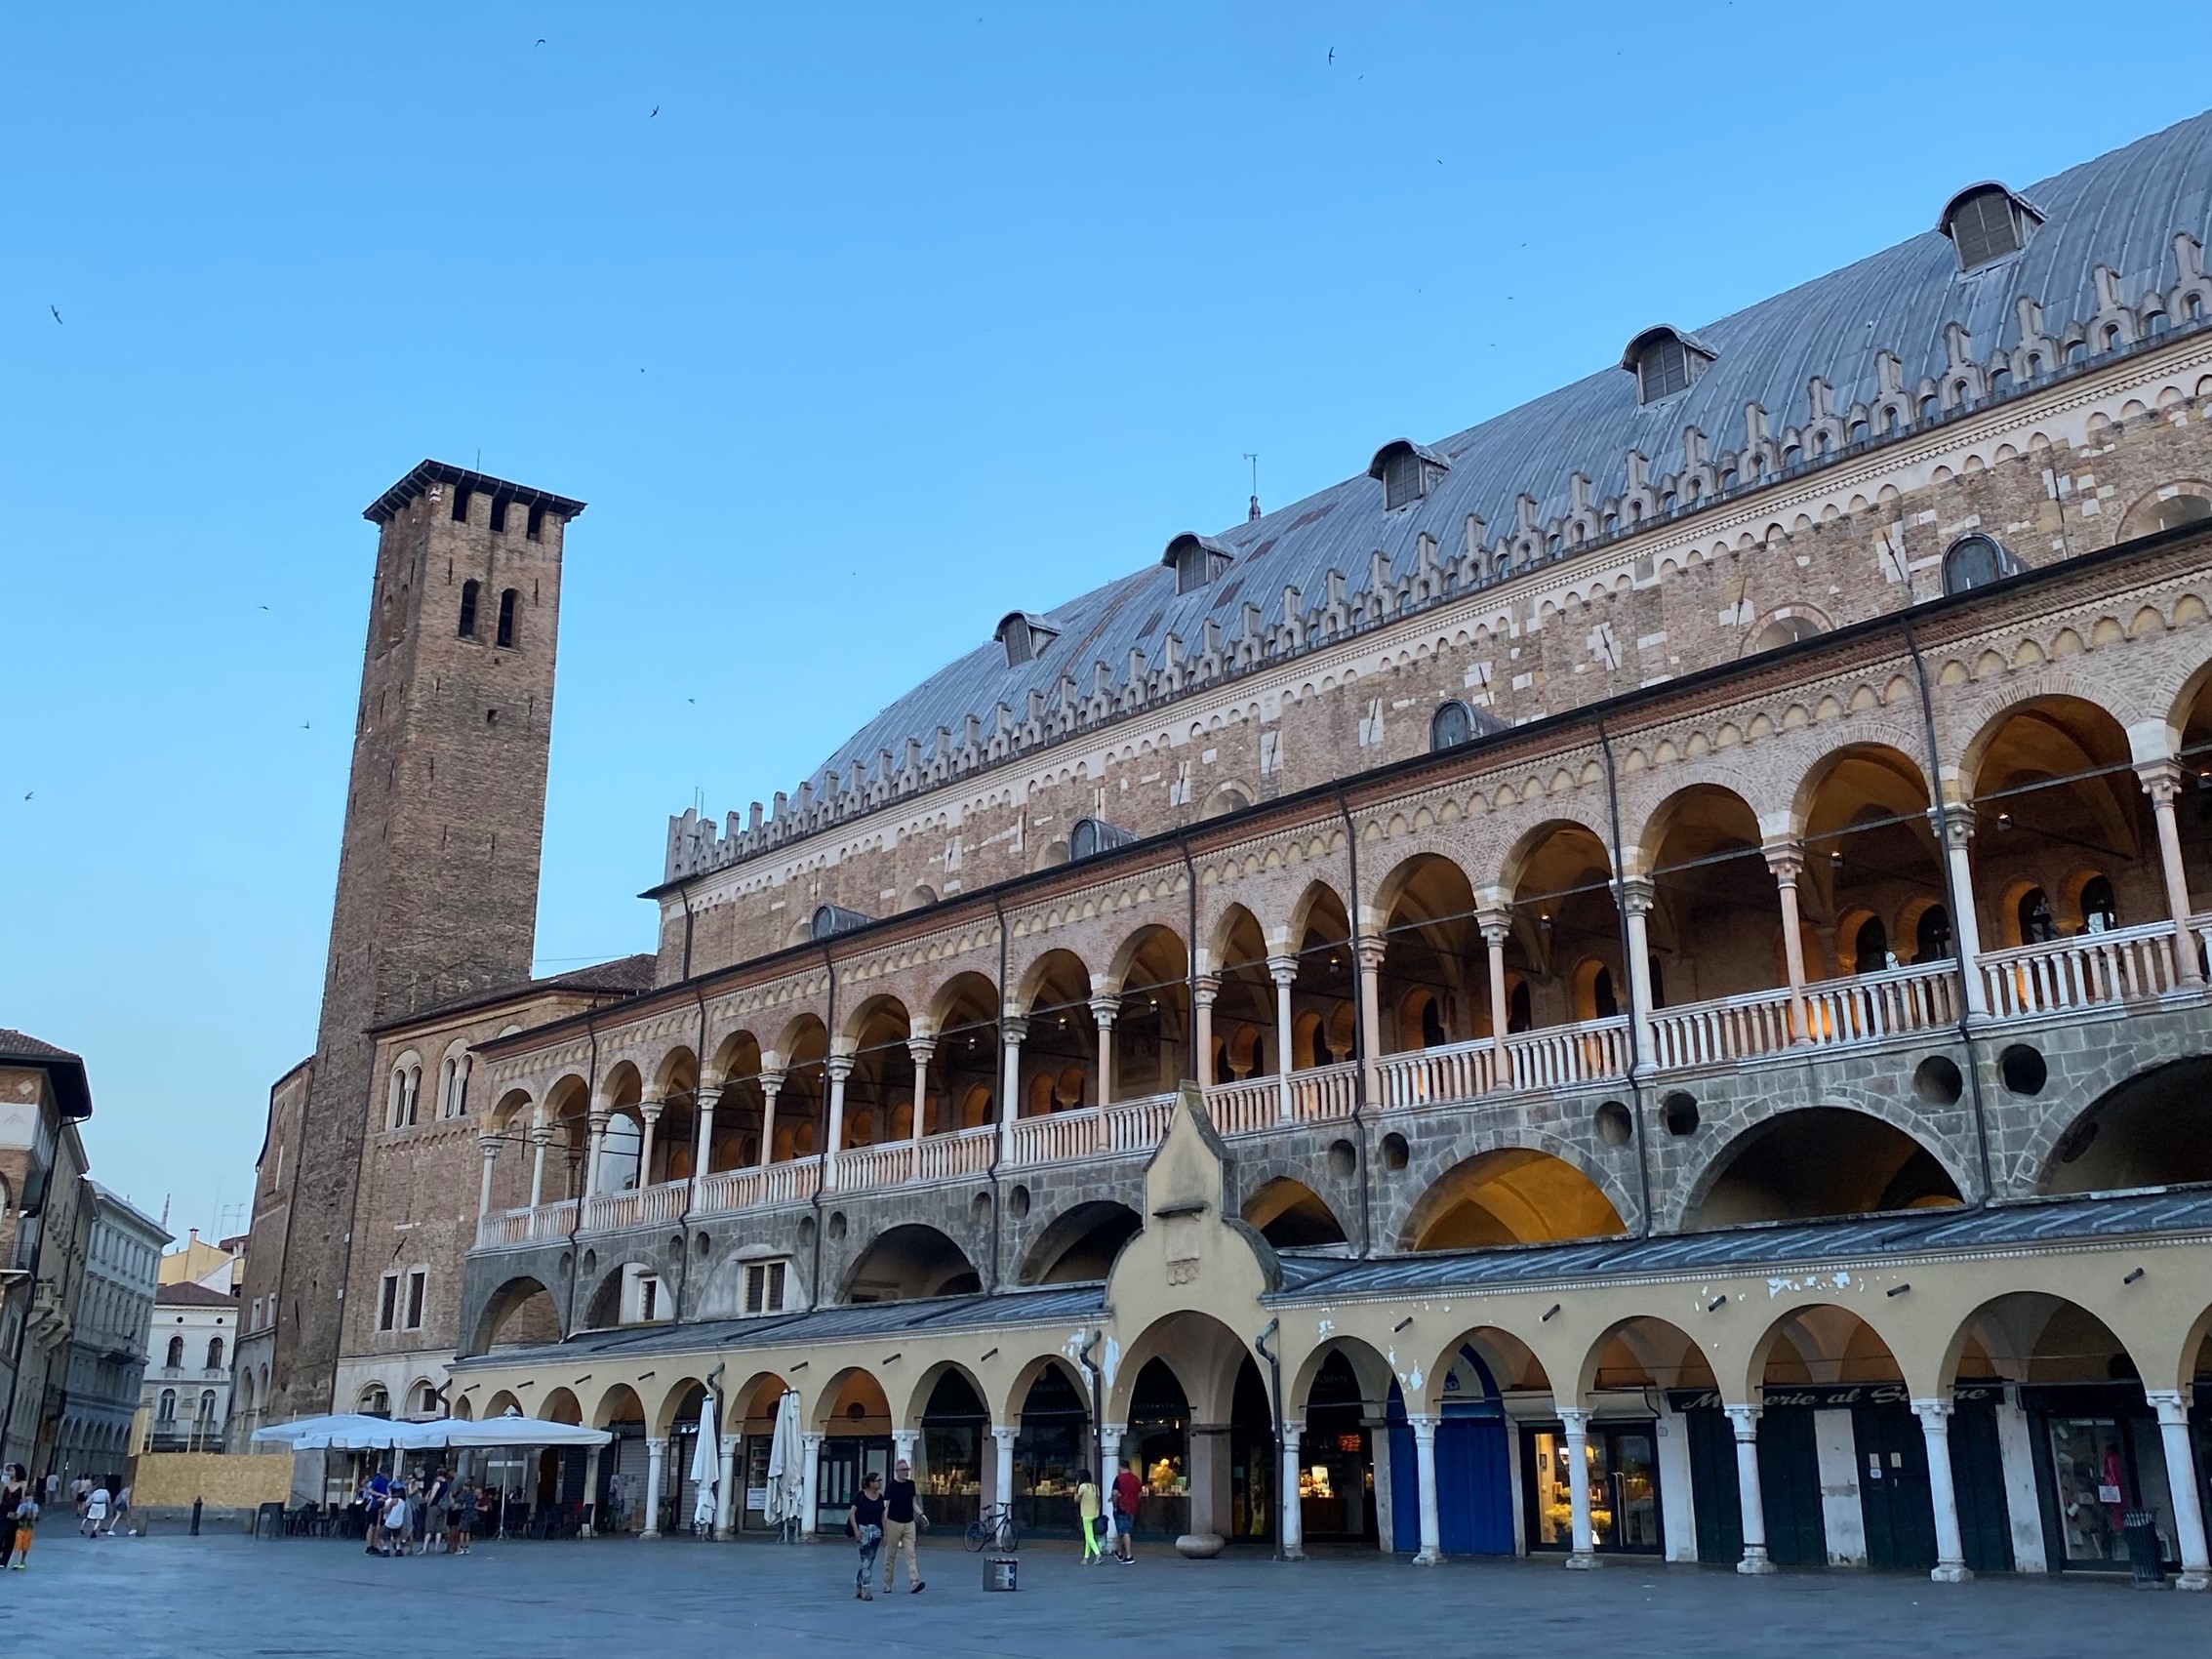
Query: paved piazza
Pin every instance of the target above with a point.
(164, 1596)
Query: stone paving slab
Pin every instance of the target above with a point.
(229, 1597)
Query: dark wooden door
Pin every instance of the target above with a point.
(1893, 1488)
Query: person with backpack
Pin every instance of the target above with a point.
(1127, 1489)
(25, 1519)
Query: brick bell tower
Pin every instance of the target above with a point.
(445, 811)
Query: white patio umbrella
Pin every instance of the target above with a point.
(706, 1468)
(511, 1431)
(344, 1431)
(786, 1460)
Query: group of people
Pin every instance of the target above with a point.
(408, 1515)
(103, 1508)
(886, 1522)
(1119, 1503)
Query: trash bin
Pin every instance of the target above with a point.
(2140, 1529)
(999, 1572)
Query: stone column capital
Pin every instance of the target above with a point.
(1933, 1410)
(1638, 894)
(2161, 779)
(488, 1146)
(1205, 987)
(1283, 970)
(813, 1436)
(1105, 1008)
(1369, 949)
(706, 1100)
(1575, 1419)
(598, 1118)
(1004, 1436)
(1497, 925)
(1013, 1030)
(649, 1111)
(1423, 1423)
(2171, 1405)
(839, 1067)
(1955, 824)
(1787, 859)
(771, 1084)
(1744, 1419)
(921, 1050)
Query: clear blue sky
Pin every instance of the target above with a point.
(893, 318)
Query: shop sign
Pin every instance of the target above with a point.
(1834, 1395)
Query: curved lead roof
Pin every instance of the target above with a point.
(2122, 211)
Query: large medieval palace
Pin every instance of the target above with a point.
(1628, 980)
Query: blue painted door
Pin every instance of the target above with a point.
(1474, 1490)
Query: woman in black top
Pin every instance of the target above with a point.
(866, 1526)
(15, 1487)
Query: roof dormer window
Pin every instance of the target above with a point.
(1407, 471)
(1984, 222)
(1024, 637)
(1664, 361)
(1196, 560)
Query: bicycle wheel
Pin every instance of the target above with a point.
(1008, 1540)
(977, 1535)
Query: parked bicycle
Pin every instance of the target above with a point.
(993, 1531)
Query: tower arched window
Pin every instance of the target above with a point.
(469, 592)
(508, 598)
(175, 1359)
(215, 1354)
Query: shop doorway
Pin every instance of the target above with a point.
(1894, 1494)
(1158, 1446)
(1253, 1463)
(1474, 1485)
(1621, 1469)
(954, 1430)
(1790, 1484)
(1977, 1474)
(846, 1461)
(1335, 1473)
(1053, 1445)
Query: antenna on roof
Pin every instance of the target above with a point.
(1254, 512)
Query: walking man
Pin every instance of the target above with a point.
(1127, 1489)
(902, 1522)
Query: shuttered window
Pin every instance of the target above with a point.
(1402, 482)
(1984, 227)
(1664, 369)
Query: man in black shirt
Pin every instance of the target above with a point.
(865, 1525)
(900, 1530)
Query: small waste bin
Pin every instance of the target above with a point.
(999, 1572)
(2140, 1529)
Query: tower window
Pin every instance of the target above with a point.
(498, 512)
(461, 499)
(536, 528)
(506, 617)
(1664, 361)
(1986, 223)
(468, 592)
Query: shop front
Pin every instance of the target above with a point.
(2100, 1454)
(1159, 1448)
(1335, 1475)
(955, 1430)
(1053, 1447)
(1474, 1481)
(846, 1461)
(1621, 1469)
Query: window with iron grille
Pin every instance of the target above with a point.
(1984, 227)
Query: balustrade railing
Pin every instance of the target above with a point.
(1427, 1076)
(1056, 1137)
(1245, 1104)
(1565, 1056)
(942, 1158)
(792, 1181)
(2087, 971)
(862, 1167)
(1894, 1003)
(527, 1226)
(1728, 1028)
(1138, 1125)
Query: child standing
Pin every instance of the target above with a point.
(26, 1522)
(1087, 1506)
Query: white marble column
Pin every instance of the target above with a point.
(727, 1496)
(598, 1120)
(903, 1446)
(1745, 1420)
(656, 1455)
(2162, 781)
(840, 1066)
(771, 1085)
(1011, 1028)
(1283, 970)
(1367, 960)
(1203, 990)
(810, 1483)
(1957, 826)
(1002, 1470)
(1576, 1421)
(1787, 860)
(921, 1050)
(489, 1147)
(649, 1113)
(591, 1493)
(1942, 1491)
(1637, 896)
(1105, 1009)
(1293, 1518)
(1424, 1423)
(541, 1137)
(703, 1149)
(1497, 927)
(2172, 1407)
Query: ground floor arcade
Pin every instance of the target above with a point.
(1971, 1391)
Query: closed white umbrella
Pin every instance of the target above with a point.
(787, 1459)
(706, 1468)
(515, 1431)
